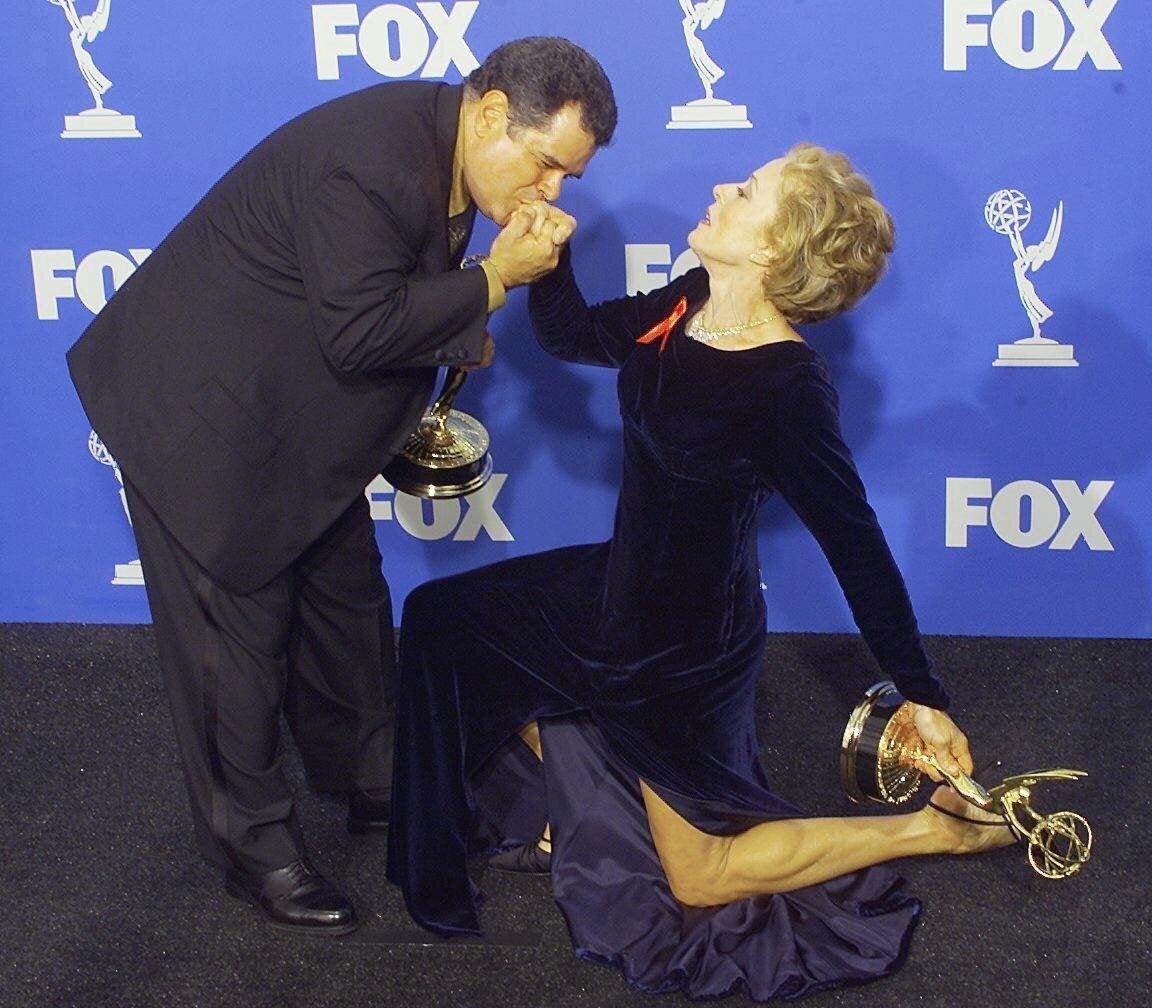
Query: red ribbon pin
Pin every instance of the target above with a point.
(661, 329)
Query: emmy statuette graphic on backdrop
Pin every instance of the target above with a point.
(708, 112)
(879, 758)
(98, 121)
(123, 573)
(1008, 213)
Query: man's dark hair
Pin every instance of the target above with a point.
(541, 75)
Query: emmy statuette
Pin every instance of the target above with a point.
(1008, 213)
(131, 573)
(708, 112)
(878, 762)
(447, 456)
(98, 121)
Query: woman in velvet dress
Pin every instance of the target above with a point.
(670, 856)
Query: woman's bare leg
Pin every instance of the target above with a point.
(787, 854)
(530, 736)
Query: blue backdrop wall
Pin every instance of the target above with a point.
(1009, 138)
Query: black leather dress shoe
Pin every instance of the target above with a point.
(296, 898)
(527, 859)
(367, 815)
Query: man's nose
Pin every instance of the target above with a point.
(549, 187)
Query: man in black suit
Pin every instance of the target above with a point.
(258, 371)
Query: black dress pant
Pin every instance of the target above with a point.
(315, 645)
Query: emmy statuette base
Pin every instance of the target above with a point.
(1035, 354)
(130, 573)
(99, 124)
(709, 113)
(447, 454)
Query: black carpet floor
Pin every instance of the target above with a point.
(105, 903)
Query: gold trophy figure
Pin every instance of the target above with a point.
(447, 455)
(880, 759)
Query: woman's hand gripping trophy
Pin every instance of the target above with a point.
(890, 744)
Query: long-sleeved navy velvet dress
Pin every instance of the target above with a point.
(642, 654)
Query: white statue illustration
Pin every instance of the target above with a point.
(708, 112)
(98, 121)
(697, 17)
(1031, 258)
(130, 573)
(1008, 212)
(85, 29)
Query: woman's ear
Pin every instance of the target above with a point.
(761, 257)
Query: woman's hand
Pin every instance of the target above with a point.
(529, 245)
(946, 741)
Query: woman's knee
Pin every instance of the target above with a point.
(694, 862)
(699, 880)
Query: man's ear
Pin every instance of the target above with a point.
(492, 113)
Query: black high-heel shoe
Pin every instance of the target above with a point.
(977, 772)
(968, 819)
(983, 840)
(527, 859)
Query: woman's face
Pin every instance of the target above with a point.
(736, 223)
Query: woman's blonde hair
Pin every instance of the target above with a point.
(829, 241)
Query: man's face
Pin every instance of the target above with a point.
(503, 172)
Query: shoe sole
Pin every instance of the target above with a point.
(322, 931)
(546, 873)
(360, 827)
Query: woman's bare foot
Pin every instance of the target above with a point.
(986, 832)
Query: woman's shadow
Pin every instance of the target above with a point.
(554, 421)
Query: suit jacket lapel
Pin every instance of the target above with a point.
(447, 115)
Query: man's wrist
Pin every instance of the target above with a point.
(497, 289)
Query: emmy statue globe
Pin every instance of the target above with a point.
(447, 455)
(880, 758)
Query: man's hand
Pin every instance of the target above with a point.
(487, 355)
(948, 743)
(529, 245)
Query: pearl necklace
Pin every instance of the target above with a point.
(697, 332)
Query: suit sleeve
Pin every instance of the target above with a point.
(603, 334)
(803, 456)
(371, 306)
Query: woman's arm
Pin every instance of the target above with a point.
(804, 457)
(603, 334)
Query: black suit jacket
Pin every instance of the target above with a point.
(279, 346)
